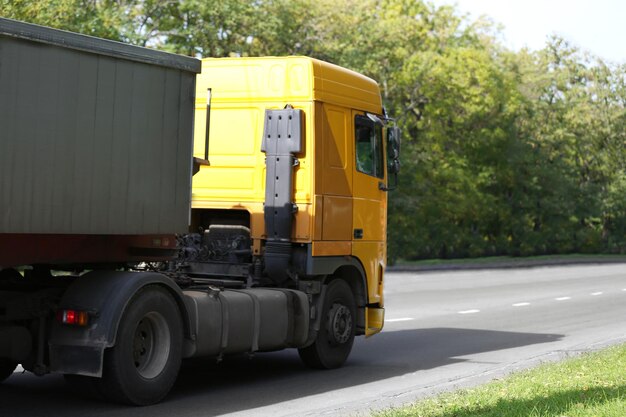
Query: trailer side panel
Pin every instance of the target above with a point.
(92, 143)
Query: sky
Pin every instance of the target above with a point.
(597, 26)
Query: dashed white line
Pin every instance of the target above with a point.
(399, 319)
(474, 311)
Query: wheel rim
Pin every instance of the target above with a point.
(340, 324)
(151, 345)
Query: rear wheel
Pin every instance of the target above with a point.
(143, 365)
(7, 367)
(336, 335)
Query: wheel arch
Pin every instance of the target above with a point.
(349, 269)
(106, 295)
(358, 285)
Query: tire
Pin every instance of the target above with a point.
(143, 365)
(336, 335)
(7, 367)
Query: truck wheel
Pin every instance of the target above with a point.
(336, 335)
(143, 365)
(6, 368)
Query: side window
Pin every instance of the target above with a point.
(369, 146)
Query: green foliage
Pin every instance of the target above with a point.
(102, 18)
(504, 153)
(591, 385)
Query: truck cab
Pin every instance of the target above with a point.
(335, 180)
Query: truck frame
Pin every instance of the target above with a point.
(149, 214)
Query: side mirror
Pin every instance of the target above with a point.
(393, 141)
(393, 156)
(393, 167)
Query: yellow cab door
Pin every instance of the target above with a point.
(369, 217)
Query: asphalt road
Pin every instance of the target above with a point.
(443, 330)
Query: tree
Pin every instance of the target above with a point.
(504, 152)
(101, 18)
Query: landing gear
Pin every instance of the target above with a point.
(336, 335)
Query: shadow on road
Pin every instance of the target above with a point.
(205, 388)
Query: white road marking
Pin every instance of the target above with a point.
(597, 293)
(469, 311)
(521, 304)
(400, 319)
(563, 298)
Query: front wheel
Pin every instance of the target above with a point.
(336, 335)
(143, 365)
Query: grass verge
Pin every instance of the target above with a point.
(591, 385)
(513, 261)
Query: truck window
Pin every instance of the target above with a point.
(369, 146)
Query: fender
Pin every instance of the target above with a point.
(327, 266)
(105, 295)
(309, 265)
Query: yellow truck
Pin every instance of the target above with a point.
(297, 172)
(279, 241)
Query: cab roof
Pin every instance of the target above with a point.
(292, 78)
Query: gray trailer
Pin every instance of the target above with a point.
(96, 145)
(95, 188)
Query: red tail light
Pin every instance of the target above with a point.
(73, 317)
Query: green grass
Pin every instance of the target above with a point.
(511, 259)
(591, 385)
(427, 262)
